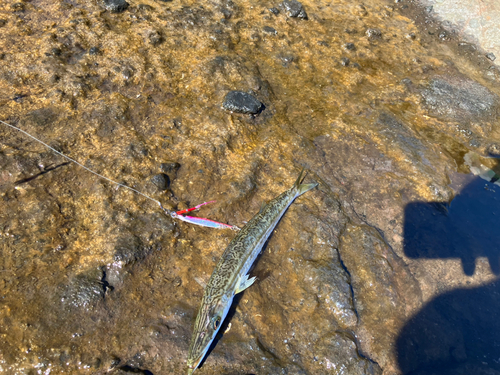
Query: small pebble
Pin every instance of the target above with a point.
(269, 30)
(411, 36)
(294, 9)
(491, 56)
(241, 102)
(406, 81)
(17, 7)
(115, 6)
(54, 52)
(170, 166)
(373, 33)
(145, 7)
(155, 38)
(161, 181)
(345, 61)
(350, 46)
(286, 60)
(94, 51)
(274, 11)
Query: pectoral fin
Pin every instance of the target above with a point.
(245, 282)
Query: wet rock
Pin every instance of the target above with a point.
(115, 6)
(491, 56)
(54, 52)
(161, 181)
(382, 302)
(350, 47)
(241, 102)
(155, 38)
(94, 51)
(286, 60)
(85, 290)
(458, 98)
(373, 33)
(170, 167)
(41, 117)
(411, 36)
(129, 250)
(269, 30)
(339, 351)
(294, 8)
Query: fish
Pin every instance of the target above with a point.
(231, 277)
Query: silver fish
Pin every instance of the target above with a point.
(230, 276)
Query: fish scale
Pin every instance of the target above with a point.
(231, 273)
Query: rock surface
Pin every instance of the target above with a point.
(96, 279)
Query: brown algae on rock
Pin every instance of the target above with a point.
(138, 93)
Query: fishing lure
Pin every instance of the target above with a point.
(203, 222)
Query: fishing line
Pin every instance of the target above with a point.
(175, 215)
(81, 165)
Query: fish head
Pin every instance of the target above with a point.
(212, 313)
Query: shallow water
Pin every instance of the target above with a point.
(96, 279)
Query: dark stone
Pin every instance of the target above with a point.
(350, 46)
(373, 33)
(94, 51)
(18, 7)
(161, 181)
(241, 102)
(55, 52)
(145, 7)
(269, 30)
(491, 56)
(115, 6)
(294, 9)
(18, 98)
(226, 13)
(155, 38)
(345, 61)
(129, 250)
(170, 166)
(274, 11)
(286, 60)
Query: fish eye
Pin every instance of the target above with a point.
(217, 322)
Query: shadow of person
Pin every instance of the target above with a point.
(468, 228)
(457, 332)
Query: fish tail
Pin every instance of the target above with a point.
(302, 188)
